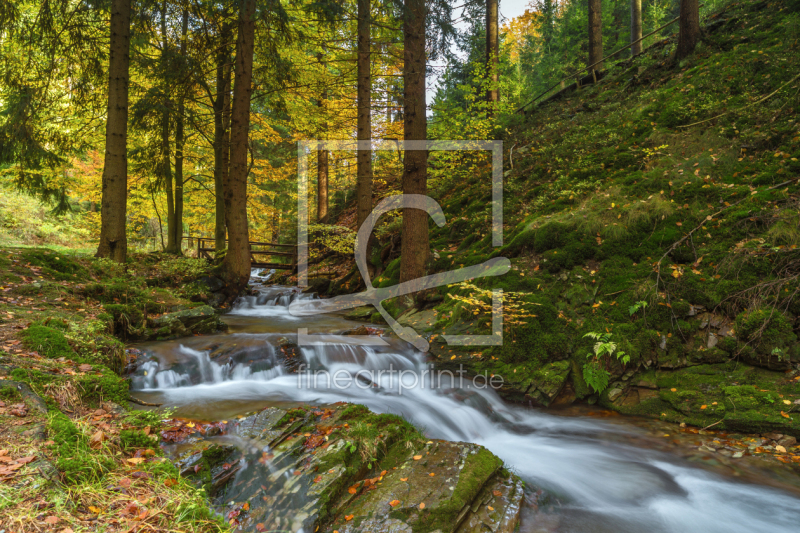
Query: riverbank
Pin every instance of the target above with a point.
(73, 456)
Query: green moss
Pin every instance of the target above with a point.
(48, 342)
(478, 468)
(55, 265)
(76, 461)
(132, 439)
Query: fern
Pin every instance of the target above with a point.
(595, 377)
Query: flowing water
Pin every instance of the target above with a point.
(598, 475)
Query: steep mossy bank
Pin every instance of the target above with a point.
(656, 210)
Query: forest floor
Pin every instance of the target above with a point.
(73, 457)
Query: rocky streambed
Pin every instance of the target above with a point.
(280, 448)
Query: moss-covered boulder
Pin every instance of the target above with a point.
(202, 319)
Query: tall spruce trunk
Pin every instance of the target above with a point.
(165, 163)
(636, 26)
(236, 266)
(595, 34)
(492, 54)
(180, 141)
(323, 166)
(364, 129)
(689, 32)
(113, 206)
(221, 138)
(414, 251)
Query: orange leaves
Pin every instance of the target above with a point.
(417, 457)
(496, 493)
(171, 482)
(348, 517)
(785, 415)
(422, 505)
(317, 479)
(394, 503)
(353, 489)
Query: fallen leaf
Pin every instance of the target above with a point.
(497, 493)
(95, 510)
(171, 482)
(780, 449)
(136, 460)
(348, 517)
(317, 479)
(490, 507)
(784, 415)
(417, 457)
(403, 479)
(432, 474)
(394, 503)
(97, 439)
(787, 402)
(52, 520)
(422, 505)
(703, 406)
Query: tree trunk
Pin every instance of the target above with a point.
(322, 162)
(414, 250)
(221, 139)
(492, 54)
(236, 267)
(180, 141)
(322, 186)
(364, 133)
(595, 34)
(165, 165)
(636, 26)
(689, 23)
(113, 207)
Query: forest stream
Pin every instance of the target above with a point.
(582, 472)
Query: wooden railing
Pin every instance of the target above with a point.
(261, 253)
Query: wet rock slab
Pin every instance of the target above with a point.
(279, 470)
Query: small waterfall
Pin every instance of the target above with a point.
(199, 368)
(271, 302)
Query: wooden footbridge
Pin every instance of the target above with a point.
(262, 254)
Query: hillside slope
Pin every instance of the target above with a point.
(634, 210)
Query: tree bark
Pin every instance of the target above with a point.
(492, 54)
(180, 141)
(322, 186)
(689, 32)
(323, 167)
(414, 251)
(165, 165)
(221, 138)
(236, 266)
(636, 26)
(595, 34)
(364, 126)
(113, 207)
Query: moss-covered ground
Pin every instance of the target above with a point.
(659, 205)
(96, 465)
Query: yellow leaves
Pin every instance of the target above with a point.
(787, 402)
(95, 510)
(490, 507)
(432, 474)
(422, 505)
(785, 415)
(673, 390)
(135, 460)
(703, 406)
(417, 457)
(403, 479)
(780, 449)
